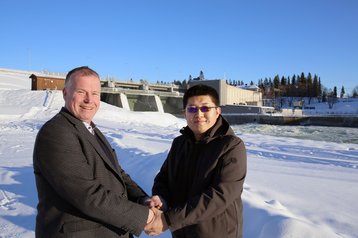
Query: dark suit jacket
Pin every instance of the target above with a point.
(81, 192)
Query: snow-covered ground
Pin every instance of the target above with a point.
(294, 187)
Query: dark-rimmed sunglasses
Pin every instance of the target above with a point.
(193, 109)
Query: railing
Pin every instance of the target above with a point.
(140, 92)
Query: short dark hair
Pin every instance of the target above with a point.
(83, 70)
(201, 90)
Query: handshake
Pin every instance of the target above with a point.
(156, 223)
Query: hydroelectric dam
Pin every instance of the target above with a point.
(143, 97)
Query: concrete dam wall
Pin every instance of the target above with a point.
(145, 102)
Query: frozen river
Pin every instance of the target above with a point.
(318, 133)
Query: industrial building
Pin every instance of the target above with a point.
(231, 95)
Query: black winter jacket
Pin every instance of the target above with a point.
(202, 183)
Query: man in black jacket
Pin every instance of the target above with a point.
(82, 190)
(199, 185)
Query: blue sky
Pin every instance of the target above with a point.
(164, 40)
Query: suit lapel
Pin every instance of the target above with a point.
(92, 139)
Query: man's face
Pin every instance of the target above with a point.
(82, 96)
(199, 122)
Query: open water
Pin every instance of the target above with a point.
(319, 133)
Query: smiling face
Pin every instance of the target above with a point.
(82, 96)
(199, 122)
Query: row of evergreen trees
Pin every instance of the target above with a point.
(298, 86)
(295, 86)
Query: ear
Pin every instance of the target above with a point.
(184, 114)
(64, 93)
(218, 110)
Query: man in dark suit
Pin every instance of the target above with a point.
(82, 190)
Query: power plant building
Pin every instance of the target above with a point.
(232, 95)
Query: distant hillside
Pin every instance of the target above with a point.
(15, 79)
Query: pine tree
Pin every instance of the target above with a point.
(342, 92)
(309, 86)
(276, 81)
(355, 92)
(315, 86)
(294, 91)
(319, 86)
(294, 80)
(288, 87)
(324, 95)
(302, 85)
(335, 92)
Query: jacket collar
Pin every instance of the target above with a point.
(220, 128)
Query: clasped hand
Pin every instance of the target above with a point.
(158, 224)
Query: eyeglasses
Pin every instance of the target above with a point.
(193, 109)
